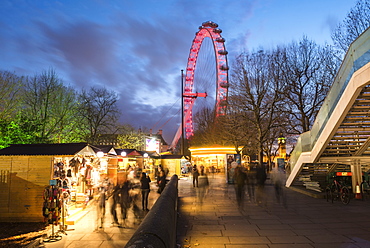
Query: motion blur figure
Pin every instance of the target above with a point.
(102, 196)
(203, 185)
(251, 182)
(277, 176)
(125, 199)
(195, 173)
(121, 197)
(161, 181)
(261, 177)
(240, 178)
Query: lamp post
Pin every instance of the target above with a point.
(145, 159)
(182, 113)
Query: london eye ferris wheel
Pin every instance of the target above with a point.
(206, 78)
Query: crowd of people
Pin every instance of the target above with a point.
(254, 179)
(247, 182)
(120, 198)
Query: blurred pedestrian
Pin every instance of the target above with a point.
(251, 182)
(102, 191)
(161, 181)
(240, 178)
(131, 174)
(261, 177)
(158, 173)
(277, 176)
(202, 186)
(125, 199)
(121, 196)
(195, 173)
(113, 201)
(145, 189)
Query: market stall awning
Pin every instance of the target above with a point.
(134, 153)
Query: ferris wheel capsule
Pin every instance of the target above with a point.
(210, 24)
(217, 30)
(220, 39)
(223, 52)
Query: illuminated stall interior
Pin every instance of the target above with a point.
(212, 158)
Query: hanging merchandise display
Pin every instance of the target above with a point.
(52, 208)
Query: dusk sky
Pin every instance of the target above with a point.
(138, 48)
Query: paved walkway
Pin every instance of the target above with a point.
(218, 222)
(86, 232)
(304, 222)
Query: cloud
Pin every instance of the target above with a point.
(135, 48)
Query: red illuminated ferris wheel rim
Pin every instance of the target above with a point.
(208, 29)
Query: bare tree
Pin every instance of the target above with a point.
(306, 70)
(98, 112)
(51, 106)
(235, 128)
(355, 23)
(255, 82)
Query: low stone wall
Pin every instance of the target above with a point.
(158, 228)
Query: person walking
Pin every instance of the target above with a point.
(278, 178)
(158, 173)
(125, 200)
(161, 181)
(240, 178)
(145, 189)
(251, 182)
(102, 196)
(121, 196)
(203, 186)
(261, 177)
(114, 200)
(195, 173)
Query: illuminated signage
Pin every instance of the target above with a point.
(152, 144)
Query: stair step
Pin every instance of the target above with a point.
(75, 215)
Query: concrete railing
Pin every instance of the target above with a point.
(158, 229)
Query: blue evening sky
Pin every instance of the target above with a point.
(138, 48)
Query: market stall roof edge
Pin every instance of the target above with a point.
(48, 149)
(106, 149)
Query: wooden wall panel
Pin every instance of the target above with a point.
(25, 178)
(5, 165)
(40, 170)
(5, 162)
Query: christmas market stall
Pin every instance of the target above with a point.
(173, 164)
(35, 178)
